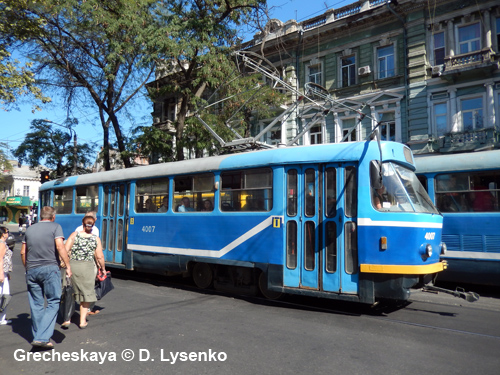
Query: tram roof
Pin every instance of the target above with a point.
(322, 153)
(482, 160)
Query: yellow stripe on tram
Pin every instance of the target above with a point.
(403, 269)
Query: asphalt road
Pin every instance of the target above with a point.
(155, 326)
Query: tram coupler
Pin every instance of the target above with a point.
(458, 292)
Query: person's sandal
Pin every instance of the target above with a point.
(65, 325)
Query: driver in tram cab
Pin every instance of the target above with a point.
(381, 198)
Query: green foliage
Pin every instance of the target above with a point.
(16, 80)
(153, 143)
(195, 53)
(54, 148)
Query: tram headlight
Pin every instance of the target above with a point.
(443, 247)
(428, 250)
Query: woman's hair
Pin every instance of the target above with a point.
(87, 216)
(3, 230)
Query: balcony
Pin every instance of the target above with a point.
(477, 140)
(469, 63)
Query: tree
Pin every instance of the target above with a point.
(93, 51)
(4, 162)
(54, 148)
(15, 80)
(204, 34)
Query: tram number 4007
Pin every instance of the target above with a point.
(428, 236)
(148, 228)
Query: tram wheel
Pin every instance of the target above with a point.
(203, 275)
(266, 292)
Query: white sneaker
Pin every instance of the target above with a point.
(5, 322)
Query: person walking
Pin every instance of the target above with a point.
(42, 246)
(85, 249)
(5, 269)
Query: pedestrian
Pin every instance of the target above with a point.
(95, 231)
(85, 250)
(42, 246)
(5, 270)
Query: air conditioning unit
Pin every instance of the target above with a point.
(437, 70)
(364, 70)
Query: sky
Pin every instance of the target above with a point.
(15, 124)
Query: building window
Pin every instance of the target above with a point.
(472, 114)
(315, 135)
(439, 48)
(385, 57)
(314, 74)
(440, 118)
(469, 38)
(347, 125)
(348, 66)
(388, 131)
(26, 191)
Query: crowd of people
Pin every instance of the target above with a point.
(49, 260)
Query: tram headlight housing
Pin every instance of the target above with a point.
(443, 248)
(425, 251)
(428, 250)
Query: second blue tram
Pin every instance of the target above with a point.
(346, 221)
(466, 188)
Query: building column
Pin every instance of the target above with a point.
(490, 105)
(487, 29)
(453, 110)
(338, 129)
(450, 39)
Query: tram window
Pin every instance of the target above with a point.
(151, 195)
(87, 199)
(331, 192)
(105, 201)
(194, 193)
(423, 181)
(291, 244)
(45, 199)
(351, 192)
(310, 192)
(309, 246)
(331, 246)
(351, 248)
(247, 190)
(291, 188)
(468, 192)
(63, 201)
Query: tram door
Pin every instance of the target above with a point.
(113, 233)
(320, 224)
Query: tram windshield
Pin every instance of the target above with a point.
(399, 190)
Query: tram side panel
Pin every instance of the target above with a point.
(176, 239)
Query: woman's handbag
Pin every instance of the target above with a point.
(103, 284)
(67, 306)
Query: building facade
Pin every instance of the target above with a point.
(426, 72)
(18, 192)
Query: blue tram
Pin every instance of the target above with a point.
(466, 188)
(345, 221)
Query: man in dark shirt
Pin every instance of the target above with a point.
(42, 246)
